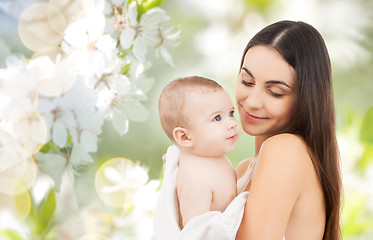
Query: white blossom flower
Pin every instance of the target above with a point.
(100, 74)
(144, 207)
(59, 119)
(137, 76)
(121, 102)
(125, 108)
(11, 154)
(18, 92)
(75, 114)
(143, 33)
(87, 45)
(124, 178)
(52, 79)
(117, 12)
(118, 180)
(168, 37)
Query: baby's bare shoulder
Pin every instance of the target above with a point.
(192, 173)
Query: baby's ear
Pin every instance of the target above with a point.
(181, 137)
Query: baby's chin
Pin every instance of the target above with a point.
(215, 154)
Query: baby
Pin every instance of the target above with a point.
(198, 116)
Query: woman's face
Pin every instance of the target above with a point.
(265, 92)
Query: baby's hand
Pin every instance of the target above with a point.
(164, 161)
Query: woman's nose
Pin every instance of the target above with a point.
(254, 99)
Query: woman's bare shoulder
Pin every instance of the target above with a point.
(286, 154)
(285, 144)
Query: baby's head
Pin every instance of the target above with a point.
(197, 113)
(174, 98)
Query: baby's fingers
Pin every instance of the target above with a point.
(164, 161)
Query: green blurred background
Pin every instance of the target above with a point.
(213, 36)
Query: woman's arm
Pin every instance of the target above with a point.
(276, 185)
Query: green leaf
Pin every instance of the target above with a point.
(366, 137)
(152, 4)
(69, 139)
(366, 130)
(52, 164)
(49, 146)
(23, 203)
(122, 54)
(125, 69)
(8, 234)
(366, 158)
(45, 212)
(260, 4)
(146, 5)
(45, 148)
(353, 117)
(354, 217)
(140, 11)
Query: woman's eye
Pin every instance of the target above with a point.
(246, 83)
(231, 114)
(217, 118)
(276, 95)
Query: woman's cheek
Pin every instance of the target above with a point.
(241, 94)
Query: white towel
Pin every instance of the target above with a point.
(213, 225)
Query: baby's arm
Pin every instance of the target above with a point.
(194, 193)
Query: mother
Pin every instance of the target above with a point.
(284, 97)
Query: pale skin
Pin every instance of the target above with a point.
(285, 198)
(206, 179)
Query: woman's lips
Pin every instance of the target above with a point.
(254, 119)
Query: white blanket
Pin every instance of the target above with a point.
(213, 225)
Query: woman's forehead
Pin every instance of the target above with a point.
(264, 62)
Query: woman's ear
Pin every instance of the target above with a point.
(181, 137)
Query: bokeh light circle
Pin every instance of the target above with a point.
(41, 25)
(69, 8)
(56, 19)
(110, 182)
(32, 131)
(18, 178)
(49, 51)
(19, 204)
(62, 81)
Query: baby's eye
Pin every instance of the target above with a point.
(231, 114)
(217, 118)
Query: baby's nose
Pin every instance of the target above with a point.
(232, 124)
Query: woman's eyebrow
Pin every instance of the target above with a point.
(278, 82)
(248, 72)
(267, 82)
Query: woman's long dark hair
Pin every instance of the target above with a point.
(313, 117)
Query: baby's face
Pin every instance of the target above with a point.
(213, 127)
